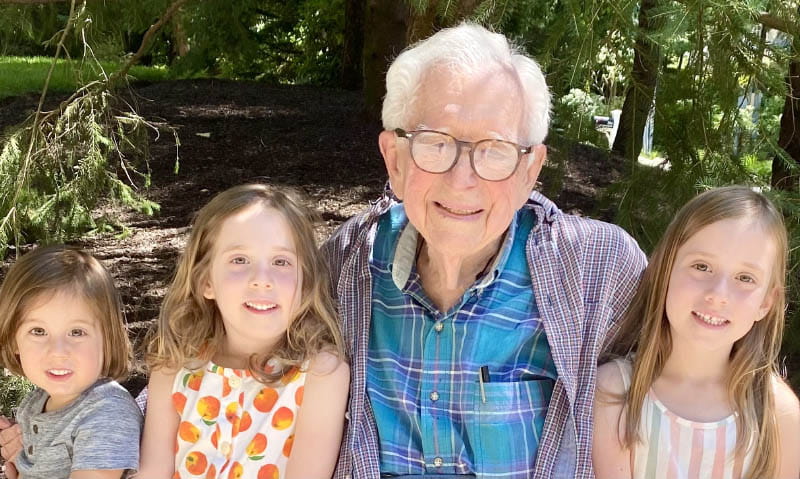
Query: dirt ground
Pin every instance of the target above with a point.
(313, 139)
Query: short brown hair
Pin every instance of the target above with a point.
(60, 268)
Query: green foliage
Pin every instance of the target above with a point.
(53, 177)
(13, 390)
(286, 42)
(573, 116)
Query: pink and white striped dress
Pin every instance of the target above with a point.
(677, 448)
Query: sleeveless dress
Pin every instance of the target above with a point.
(233, 426)
(677, 448)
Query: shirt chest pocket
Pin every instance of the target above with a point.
(506, 425)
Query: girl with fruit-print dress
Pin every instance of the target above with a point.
(248, 378)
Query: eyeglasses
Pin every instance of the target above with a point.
(437, 152)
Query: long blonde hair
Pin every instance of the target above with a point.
(753, 362)
(190, 327)
(48, 270)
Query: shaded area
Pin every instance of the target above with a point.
(313, 139)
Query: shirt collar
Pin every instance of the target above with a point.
(405, 255)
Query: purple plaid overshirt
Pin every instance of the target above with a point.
(584, 274)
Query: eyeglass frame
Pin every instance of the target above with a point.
(409, 135)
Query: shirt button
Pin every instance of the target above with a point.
(30, 449)
(438, 461)
(35, 429)
(434, 396)
(347, 476)
(225, 449)
(438, 327)
(235, 382)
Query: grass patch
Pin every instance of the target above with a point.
(20, 75)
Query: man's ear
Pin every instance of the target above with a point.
(535, 161)
(387, 142)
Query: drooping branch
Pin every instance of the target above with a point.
(12, 215)
(771, 21)
(147, 40)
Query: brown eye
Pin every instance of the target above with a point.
(746, 278)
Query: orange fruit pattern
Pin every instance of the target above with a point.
(236, 471)
(233, 427)
(188, 432)
(270, 471)
(179, 401)
(287, 446)
(196, 463)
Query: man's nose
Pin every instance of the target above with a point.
(462, 173)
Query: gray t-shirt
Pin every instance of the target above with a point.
(99, 430)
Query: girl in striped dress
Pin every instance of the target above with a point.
(692, 388)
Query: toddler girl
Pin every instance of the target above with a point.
(699, 395)
(247, 372)
(61, 327)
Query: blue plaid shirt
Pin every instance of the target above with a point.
(423, 364)
(584, 273)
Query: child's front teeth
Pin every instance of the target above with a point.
(60, 372)
(260, 307)
(711, 319)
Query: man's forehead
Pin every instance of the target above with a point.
(488, 100)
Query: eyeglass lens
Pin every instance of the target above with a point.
(436, 153)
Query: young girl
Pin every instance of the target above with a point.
(699, 395)
(247, 373)
(61, 327)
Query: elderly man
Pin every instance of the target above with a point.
(473, 307)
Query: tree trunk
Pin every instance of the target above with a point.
(785, 176)
(351, 78)
(642, 86)
(385, 26)
(180, 43)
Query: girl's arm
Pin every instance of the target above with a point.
(320, 420)
(157, 459)
(787, 411)
(610, 457)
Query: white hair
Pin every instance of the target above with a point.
(465, 49)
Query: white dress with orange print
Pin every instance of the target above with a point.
(233, 426)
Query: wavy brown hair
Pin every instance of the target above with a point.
(753, 370)
(190, 328)
(50, 270)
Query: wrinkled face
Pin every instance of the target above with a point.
(254, 278)
(60, 346)
(720, 287)
(457, 211)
